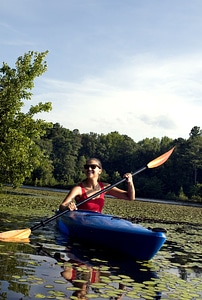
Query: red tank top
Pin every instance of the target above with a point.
(95, 204)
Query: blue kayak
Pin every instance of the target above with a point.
(111, 233)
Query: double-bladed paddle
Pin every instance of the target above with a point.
(21, 234)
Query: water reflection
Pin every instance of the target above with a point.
(50, 268)
(91, 271)
(36, 271)
(185, 246)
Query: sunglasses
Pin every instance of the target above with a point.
(93, 167)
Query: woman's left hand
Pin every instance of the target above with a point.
(129, 177)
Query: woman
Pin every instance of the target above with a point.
(92, 185)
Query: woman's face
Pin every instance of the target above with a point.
(92, 168)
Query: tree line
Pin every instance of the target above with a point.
(67, 151)
(39, 153)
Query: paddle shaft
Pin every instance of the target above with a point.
(109, 187)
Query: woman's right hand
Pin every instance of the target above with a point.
(72, 206)
(68, 206)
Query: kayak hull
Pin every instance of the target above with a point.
(111, 233)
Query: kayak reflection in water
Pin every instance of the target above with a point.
(82, 276)
(92, 185)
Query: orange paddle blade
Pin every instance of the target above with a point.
(160, 160)
(20, 234)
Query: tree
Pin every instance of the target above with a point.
(89, 145)
(195, 150)
(19, 131)
(65, 147)
(195, 132)
(116, 152)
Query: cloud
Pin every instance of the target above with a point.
(146, 97)
(162, 121)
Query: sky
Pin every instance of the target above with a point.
(131, 66)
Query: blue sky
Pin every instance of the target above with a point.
(132, 66)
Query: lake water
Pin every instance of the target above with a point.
(48, 268)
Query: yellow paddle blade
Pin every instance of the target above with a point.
(160, 160)
(14, 235)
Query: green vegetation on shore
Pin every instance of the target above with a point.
(42, 203)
